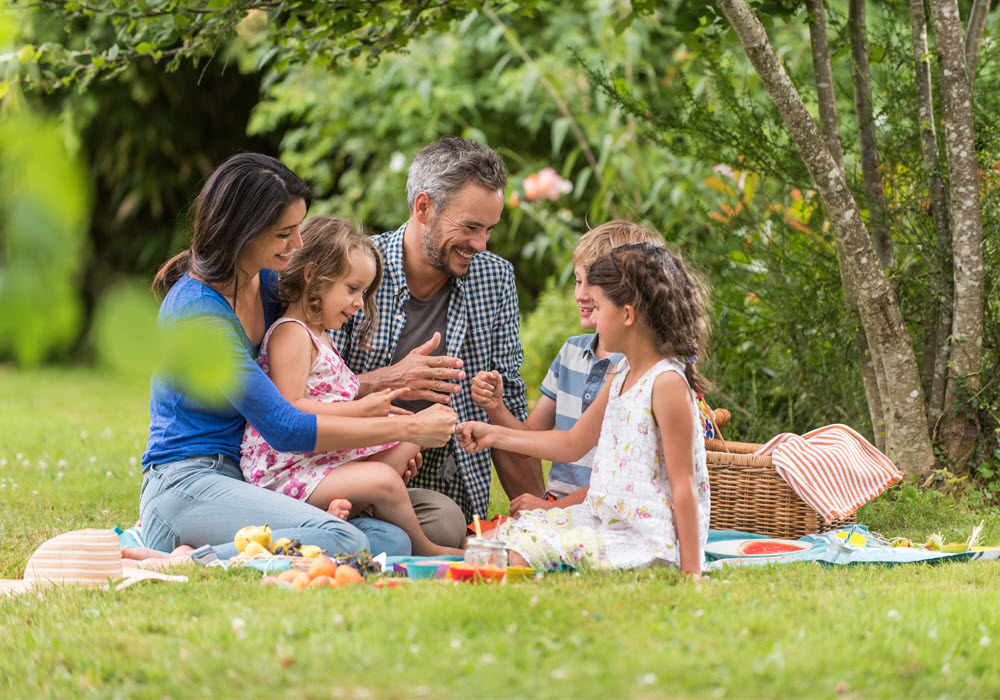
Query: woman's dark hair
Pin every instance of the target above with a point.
(665, 293)
(328, 243)
(241, 201)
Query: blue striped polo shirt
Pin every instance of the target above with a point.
(573, 381)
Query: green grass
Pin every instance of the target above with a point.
(776, 631)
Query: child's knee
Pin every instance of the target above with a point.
(385, 479)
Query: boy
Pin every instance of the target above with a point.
(575, 378)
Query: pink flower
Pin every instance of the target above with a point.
(546, 183)
(295, 489)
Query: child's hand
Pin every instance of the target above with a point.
(527, 501)
(474, 436)
(339, 508)
(378, 404)
(487, 390)
(413, 466)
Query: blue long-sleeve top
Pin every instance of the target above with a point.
(181, 426)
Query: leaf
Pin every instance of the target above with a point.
(145, 47)
(559, 128)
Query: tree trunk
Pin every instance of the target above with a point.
(907, 439)
(865, 116)
(974, 35)
(959, 430)
(936, 350)
(830, 124)
(825, 95)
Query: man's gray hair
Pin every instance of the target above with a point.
(442, 169)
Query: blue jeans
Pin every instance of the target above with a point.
(204, 501)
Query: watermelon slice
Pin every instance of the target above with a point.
(764, 548)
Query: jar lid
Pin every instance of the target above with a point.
(478, 542)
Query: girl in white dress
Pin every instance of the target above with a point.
(648, 501)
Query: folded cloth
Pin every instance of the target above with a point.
(833, 469)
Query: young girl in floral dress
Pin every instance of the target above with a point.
(648, 501)
(332, 277)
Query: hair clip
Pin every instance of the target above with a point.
(691, 360)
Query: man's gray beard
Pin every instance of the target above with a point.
(431, 242)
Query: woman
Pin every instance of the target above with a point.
(246, 224)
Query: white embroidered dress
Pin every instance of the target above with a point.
(628, 511)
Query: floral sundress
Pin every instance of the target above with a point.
(297, 474)
(627, 519)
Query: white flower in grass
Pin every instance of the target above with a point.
(893, 614)
(92, 459)
(108, 474)
(932, 633)
(62, 463)
(511, 628)
(3, 462)
(132, 461)
(699, 612)
(649, 679)
(559, 673)
(239, 627)
(42, 464)
(20, 456)
(13, 486)
(83, 434)
(59, 476)
(414, 648)
(338, 619)
(486, 659)
(26, 463)
(984, 641)
(534, 601)
(106, 433)
(456, 643)
(35, 493)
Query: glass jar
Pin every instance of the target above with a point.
(478, 551)
(498, 553)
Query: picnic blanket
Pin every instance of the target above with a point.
(823, 551)
(833, 469)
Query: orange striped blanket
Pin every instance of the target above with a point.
(833, 469)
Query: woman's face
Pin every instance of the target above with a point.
(271, 251)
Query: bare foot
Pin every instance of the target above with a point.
(146, 558)
(339, 508)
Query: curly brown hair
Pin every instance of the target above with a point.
(666, 294)
(329, 242)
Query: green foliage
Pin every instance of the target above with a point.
(180, 30)
(543, 332)
(43, 211)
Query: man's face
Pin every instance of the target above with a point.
(461, 229)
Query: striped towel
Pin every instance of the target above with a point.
(833, 469)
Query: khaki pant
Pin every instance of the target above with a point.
(440, 517)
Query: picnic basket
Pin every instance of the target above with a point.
(749, 495)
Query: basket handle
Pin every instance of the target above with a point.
(720, 416)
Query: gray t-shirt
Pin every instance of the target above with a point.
(424, 317)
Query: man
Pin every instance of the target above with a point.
(447, 310)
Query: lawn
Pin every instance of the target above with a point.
(69, 443)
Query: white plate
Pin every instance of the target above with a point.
(730, 548)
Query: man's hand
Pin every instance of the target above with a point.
(378, 404)
(474, 436)
(430, 378)
(527, 501)
(487, 390)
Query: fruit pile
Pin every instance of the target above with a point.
(254, 540)
(323, 572)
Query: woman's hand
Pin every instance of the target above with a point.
(474, 436)
(433, 426)
(487, 390)
(378, 404)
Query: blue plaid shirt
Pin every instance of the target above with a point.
(483, 327)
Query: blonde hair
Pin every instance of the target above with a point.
(329, 242)
(598, 242)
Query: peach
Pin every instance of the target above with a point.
(322, 566)
(347, 575)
